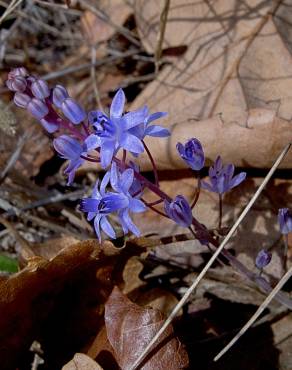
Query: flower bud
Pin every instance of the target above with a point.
(73, 111)
(37, 108)
(179, 211)
(20, 71)
(40, 89)
(21, 100)
(59, 95)
(285, 220)
(192, 153)
(263, 259)
(17, 84)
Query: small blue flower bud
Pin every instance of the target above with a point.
(73, 111)
(37, 108)
(263, 259)
(40, 89)
(21, 100)
(192, 153)
(285, 220)
(59, 95)
(179, 211)
(17, 84)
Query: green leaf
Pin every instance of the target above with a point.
(8, 264)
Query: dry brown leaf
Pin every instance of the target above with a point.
(232, 88)
(82, 362)
(129, 329)
(97, 28)
(34, 301)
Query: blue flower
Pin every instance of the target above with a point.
(100, 205)
(103, 203)
(124, 131)
(71, 149)
(285, 220)
(122, 184)
(192, 153)
(179, 211)
(221, 177)
(263, 259)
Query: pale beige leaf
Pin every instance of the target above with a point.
(232, 88)
(80, 361)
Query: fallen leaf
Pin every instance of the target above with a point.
(61, 298)
(131, 327)
(231, 89)
(102, 24)
(82, 362)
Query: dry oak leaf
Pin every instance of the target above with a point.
(35, 296)
(82, 362)
(232, 87)
(131, 327)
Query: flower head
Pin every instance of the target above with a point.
(285, 220)
(179, 211)
(71, 149)
(221, 177)
(103, 203)
(192, 153)
(120, 130)
(263, 259)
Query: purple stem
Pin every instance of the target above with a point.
(152, 163)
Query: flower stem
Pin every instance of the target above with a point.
(153, 163)
(197, 193)
(220, 212)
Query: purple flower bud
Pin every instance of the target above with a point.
(21, 71)
(263, 259)
(285, 220)
(21, 100)
(73, 111)
(59, 95)
(37, 108)
(17, 84)
(40, 89)
(192, 153)
(179, 211)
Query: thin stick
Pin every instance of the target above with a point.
(211, 260)
(93, 77)
(197, 192)
(250, 322)
(163, 21)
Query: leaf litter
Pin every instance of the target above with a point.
(58, 297)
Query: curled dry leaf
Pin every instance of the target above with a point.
(61, 298)
(131, 327)
(232, 88)
(82, 362)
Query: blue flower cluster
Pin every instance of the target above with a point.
(121, 200)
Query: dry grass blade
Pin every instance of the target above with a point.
(163, 20)
(212, 259)
(13, 5)
(250, 322)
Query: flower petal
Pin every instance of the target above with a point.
(155, 116)
(104, 183)
(107, 227)
(129, 223)
(157, 131)
(127, 178)
(96, 227)
(89, 205)
(106, 153)
(91, 142)
(134, 118)
(114, 177)
(118, 103)
(131, 143)
(237, 179)
(137, 206)
(67, 147)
